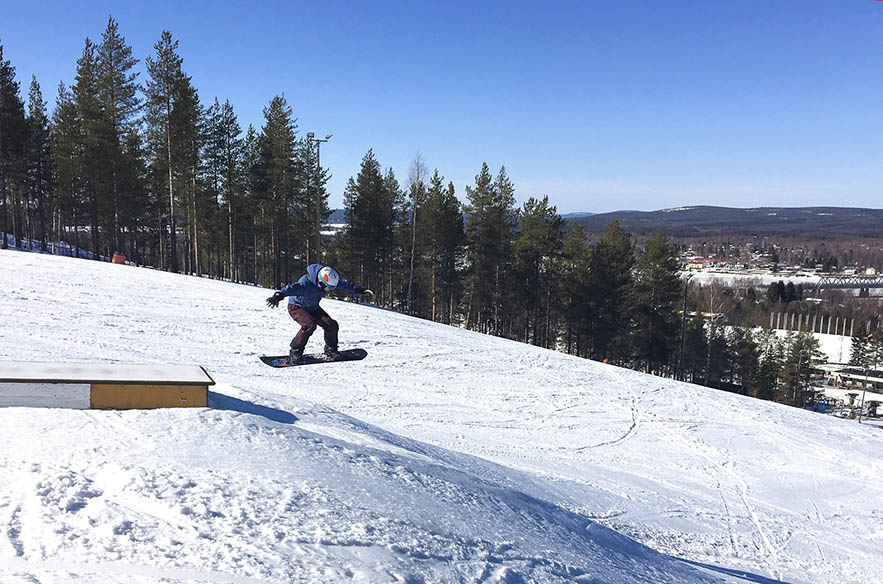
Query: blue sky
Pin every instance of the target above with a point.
(621, 104)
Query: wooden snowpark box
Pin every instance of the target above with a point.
(103, 385)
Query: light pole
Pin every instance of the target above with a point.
(311, 136)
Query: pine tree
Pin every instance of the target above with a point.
(657, 292)
(119, 103)
(392, 212)
(790, 293)
(490, 226)
(746, 359)
(610, 294)
(13, 145)
(136, 207)
(252, 203)
(416, 197)
(770, 366)
(188, 138)
(504, 218)
(67, 161)
(479, 248)
(370, 216)
(867, 349)
(575, 302)
(162, 87)
(444, 242)
(859, 356)
(311, 199)
(39, 158)
(536, 252)
(89, 117)
(719, 356)
(802, 354)
(279, 182)
(695, 349)
(772, 293)
(225, 159)
(876, 349)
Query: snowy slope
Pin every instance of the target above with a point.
(445, 456)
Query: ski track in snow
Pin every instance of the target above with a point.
(631, 429)
(445, 456)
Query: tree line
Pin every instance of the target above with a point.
(524, 274)
(515, 272)
(867, 350)
(150, 171)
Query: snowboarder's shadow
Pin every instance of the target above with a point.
(219, 401)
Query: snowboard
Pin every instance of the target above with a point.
(313, 358)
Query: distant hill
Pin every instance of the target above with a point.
(809, 222)
(698, 221)
(337, 216)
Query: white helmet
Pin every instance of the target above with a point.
(328, 277)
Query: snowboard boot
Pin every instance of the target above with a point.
(331, 353)
(296, 355)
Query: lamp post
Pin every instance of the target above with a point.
(311, 136)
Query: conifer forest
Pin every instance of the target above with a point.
(150, 169)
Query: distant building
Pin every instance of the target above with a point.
(853, 377)
(699, 264)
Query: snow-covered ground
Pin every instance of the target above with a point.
(444, 456)
(756, 279)
(836, 348)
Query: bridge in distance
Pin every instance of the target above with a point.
(850, 282)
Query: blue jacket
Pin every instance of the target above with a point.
(306, 292)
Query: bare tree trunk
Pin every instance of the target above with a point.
(116, 211)
(162, 248)
(196, 262)
(76, 234)
(434, 292)
(549, 341)
(231, 250)
(451, 306)
(413, 252)
(497, 300)
(254, 223)
(173, 244)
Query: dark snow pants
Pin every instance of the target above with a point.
(308, 321)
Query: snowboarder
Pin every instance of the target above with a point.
(303, 306)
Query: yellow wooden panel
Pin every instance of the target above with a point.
(107, 396)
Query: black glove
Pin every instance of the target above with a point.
(274, 300)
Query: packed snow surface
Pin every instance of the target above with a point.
(444, 456)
